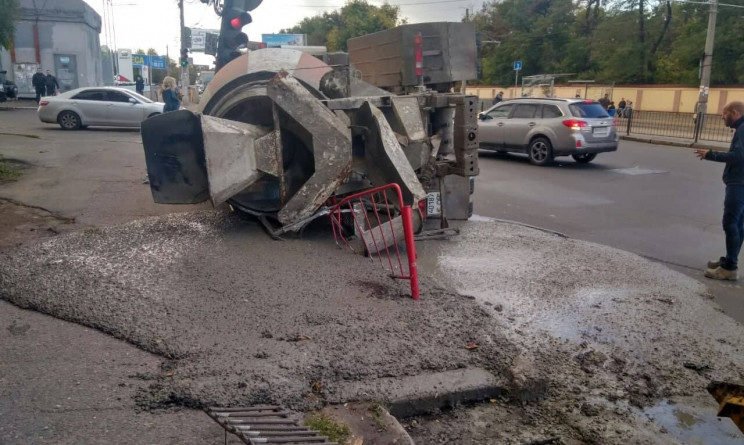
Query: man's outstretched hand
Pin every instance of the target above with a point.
(701, 152)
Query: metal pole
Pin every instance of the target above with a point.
(516, 76)
(184, 69)
(702, 106)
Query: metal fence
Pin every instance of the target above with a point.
(696, 127)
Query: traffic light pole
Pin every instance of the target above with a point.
(702, 106)
(184, 69)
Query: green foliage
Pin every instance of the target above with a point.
(7, 171)
(605, 42)
(355, 18)
(326, 426)
(8, 14)
(152, 52)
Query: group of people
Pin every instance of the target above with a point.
(622, 110)
(45, 85)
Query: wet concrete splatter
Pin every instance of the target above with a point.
(590, 338)
(607, 332)
(243, 319)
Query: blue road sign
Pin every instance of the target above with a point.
(517, 65)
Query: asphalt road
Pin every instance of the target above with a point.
(657, 201)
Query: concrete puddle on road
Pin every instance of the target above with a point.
(694, 425)
(635, 171)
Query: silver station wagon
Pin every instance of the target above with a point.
(545, 128)
(97, 106)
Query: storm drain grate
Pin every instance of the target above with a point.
(265, 424)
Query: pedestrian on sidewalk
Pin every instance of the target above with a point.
(733, 206)
(170, 96)
(498, 98)
(38, 81)
(51, 84)
(139, 85)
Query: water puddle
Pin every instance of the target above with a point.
(695, 425)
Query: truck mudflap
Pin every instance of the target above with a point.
(174, 152)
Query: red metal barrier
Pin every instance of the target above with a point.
(378, 218)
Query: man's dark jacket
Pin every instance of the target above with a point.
(733, 173)
(38, 80)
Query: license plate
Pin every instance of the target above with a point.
(601, 131)
(433, 203)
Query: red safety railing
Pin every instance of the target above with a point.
(378, 218)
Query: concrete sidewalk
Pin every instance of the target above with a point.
(677, 142)
(18, 104)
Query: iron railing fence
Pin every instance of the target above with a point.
(676, 125)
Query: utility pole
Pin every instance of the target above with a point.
(702, 106)
(184, 69)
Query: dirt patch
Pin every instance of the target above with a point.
(20, 223)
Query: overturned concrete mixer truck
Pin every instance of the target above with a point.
(280, 134)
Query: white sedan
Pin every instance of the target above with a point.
(100, 106)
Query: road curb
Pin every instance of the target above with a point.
(425, 393)
(664, 142)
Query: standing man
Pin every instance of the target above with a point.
(621, 107)
(38, 81)
(51, 84)
(139, 85)
(605, 101)
(498, 98)
(733, 205)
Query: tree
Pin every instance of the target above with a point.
(358, 18)
(152, 52)
(355, 18)
(9, 14)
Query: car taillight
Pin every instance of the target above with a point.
(43, 103)
(574, 124)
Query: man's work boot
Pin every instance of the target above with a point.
(715, 264)
(719, 273)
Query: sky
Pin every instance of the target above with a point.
(155, 23)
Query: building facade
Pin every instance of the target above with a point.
(61, 36)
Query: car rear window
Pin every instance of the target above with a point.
(524, 111)
(551, 111)
(588, 110)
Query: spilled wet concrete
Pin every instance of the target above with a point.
(243, 319)
(607, 335)
(588, 340)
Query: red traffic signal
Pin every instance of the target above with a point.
(239, 21)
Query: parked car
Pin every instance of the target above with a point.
(97, 106)
(545, 128)
(8, 89)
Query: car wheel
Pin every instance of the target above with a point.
(540, 151)
(69, 120)
(584, 158)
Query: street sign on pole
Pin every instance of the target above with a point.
(517, 68)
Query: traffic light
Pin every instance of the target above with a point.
(234, 17)
(184, 57)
